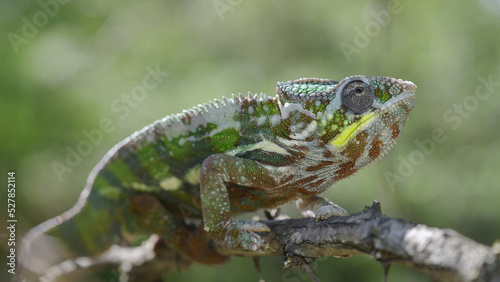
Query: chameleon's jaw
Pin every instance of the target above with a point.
(372, 136)
(388, 117)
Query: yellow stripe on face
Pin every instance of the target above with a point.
(350, 131)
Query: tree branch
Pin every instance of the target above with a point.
(442, 253)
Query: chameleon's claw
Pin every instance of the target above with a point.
(239, 236)
(327, 211)
(319, 207)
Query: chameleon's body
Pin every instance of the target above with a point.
(184, 176)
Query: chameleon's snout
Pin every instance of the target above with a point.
(391, 92)
(410, 86)
(403, 84)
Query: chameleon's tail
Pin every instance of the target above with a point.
(86, 230)
(103, 218)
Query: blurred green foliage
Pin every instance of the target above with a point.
(66, 66)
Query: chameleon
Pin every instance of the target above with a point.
(186, 176)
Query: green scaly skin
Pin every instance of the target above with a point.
(186, 175)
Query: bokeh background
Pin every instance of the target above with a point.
(65, 66)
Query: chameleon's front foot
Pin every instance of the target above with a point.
(239, 234)
(216, 172)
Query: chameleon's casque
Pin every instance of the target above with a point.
(184, 176)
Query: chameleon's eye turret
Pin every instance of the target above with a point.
(357, 96)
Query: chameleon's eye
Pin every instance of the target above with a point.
(359, 90)
(357, 96)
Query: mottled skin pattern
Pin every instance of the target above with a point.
(185, 176)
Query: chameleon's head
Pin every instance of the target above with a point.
(360, 116)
